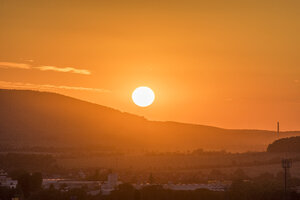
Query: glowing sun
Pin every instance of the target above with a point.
(143, 96)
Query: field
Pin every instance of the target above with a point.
(176, 165)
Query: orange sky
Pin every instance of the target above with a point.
(232, 64)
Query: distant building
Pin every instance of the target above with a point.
(64, 184)
(6, 181)
(212, 185)
(94, 187)
(111, 184)
(112, 180)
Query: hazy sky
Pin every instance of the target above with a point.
(232, 64)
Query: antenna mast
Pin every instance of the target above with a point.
(278, 128)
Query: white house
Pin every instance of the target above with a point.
(6, 181)
(111, 183)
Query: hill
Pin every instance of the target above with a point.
(32, 118)
(283, 145)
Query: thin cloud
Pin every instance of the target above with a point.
(44, 68)
(65, 69)
(14, 65)
(20, 85)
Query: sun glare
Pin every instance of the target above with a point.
(143, 96)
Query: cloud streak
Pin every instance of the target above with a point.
(44, 68)
(65, 69)
(47, 87)
(14, 65)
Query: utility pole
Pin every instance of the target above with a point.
(286, 165)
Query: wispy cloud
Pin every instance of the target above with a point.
(64, 69)
(44, 68)
(14, 65)
(46, 87)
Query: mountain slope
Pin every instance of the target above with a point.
(291, 144)
(48, 119)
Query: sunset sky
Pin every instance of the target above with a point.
(231, 64)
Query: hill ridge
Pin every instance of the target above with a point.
(44, 118)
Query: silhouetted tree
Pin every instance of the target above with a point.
(215, 175)
(151, 179)
(239, 174)
(29, 183)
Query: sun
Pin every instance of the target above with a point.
(143, 96)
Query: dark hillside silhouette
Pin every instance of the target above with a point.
(43, 118)
(291, 144)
